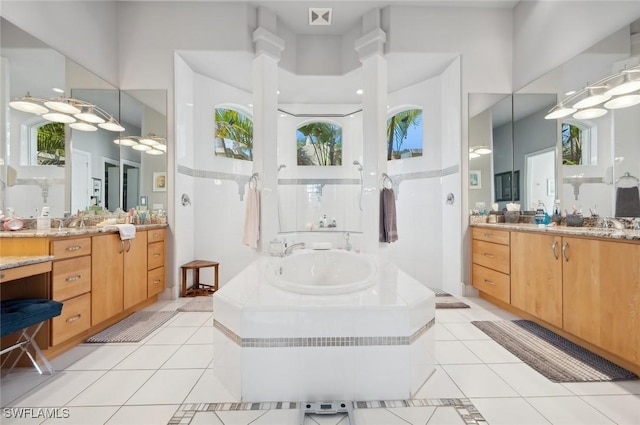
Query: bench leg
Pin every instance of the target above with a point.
(24, 342)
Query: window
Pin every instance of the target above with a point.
(404, 134)
(50, 144)
(233, 134)
(579, 145)
(319, 143)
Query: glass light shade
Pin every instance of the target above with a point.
(561, 112)
(623, 101)
(626, 86)
(62, 106)
(83, 126)
(473, 155)
(25, 105)
(111, 125)
(154, 152)
(125, 142)
(140, 147)
(161, 147)
(594, 98)
(89, 116)
(586, 114)
(149, 142)
(59, 117)
(483, 150)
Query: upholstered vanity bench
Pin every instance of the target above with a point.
(18, 316)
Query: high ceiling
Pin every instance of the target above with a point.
(234, 68)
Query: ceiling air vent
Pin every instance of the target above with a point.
(319, 16)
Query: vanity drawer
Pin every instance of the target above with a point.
(155, 255)
(491, 282)
(71, 278)
(155, 281)
(156, 235)
(491, 255)
(491, 235)
(75, 319)
(68, 248)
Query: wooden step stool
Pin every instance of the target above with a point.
(198, 288)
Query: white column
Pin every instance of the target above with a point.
(374, 121)
(268, 48)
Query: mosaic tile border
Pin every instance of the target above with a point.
(333, 341)
(463, 406)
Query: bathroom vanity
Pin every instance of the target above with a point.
(100, 278)
(582, 283)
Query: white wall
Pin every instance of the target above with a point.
(569, 26)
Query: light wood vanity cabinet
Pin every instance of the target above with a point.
(536, 275)
(120, 274)
(155, 262)
(601, 291)
(135, 270)
(71, 284)
(491, 265)
(585, 287)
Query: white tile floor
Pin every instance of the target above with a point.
(168, 375)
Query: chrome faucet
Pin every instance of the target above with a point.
(290, 248)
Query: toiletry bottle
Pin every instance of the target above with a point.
(540, 212)
(556, 216)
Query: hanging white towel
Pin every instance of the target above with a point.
(388, 226)
(252, 219)
(127, 231)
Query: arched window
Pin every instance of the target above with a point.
(51, 139)
(404, 134)
(233, 134)
(579, 143)
(319, 143)
(42, 142)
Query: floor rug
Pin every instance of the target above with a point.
(449, 301)
(204, 304)
(555, 357)
(133, 328)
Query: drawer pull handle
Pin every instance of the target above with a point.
(74, 248)
(156, 281)
(489, 282)
(73, 318)
(121, 247)
(156, 255)
(156, 235)
(1, 276)
(73, 278)
(486, 254)
(565, 254)
(554, 245)
(488, 235)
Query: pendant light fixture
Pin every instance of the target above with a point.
(80, 115)
(619, 90)
(150, 144)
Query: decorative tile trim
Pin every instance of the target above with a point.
(333, 341)
(294, 182)
(463, 406)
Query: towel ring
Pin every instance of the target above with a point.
(629, 177)
(387, 183)
(253, 181)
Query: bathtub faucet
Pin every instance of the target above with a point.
(290, 248)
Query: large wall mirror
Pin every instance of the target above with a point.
(68, 169)
(583, 162)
